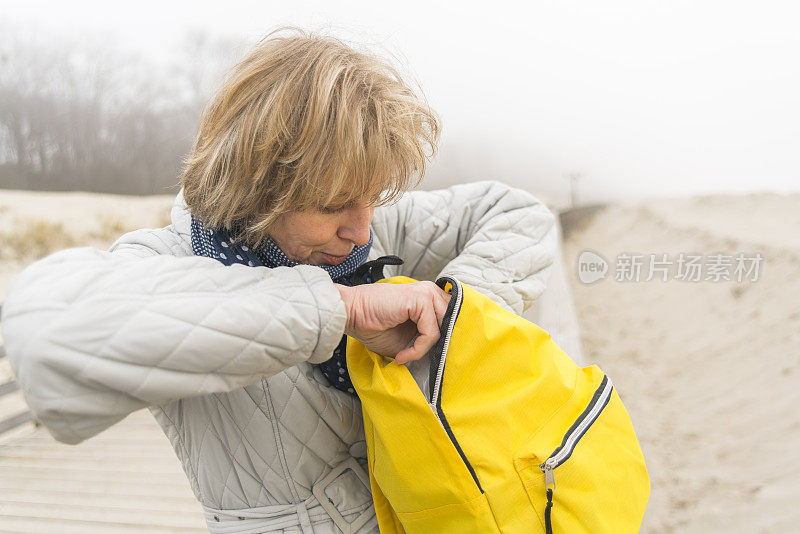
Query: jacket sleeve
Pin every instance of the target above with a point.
(498, 239)
(94, 335)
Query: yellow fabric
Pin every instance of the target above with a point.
(509, 395)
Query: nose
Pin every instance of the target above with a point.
(355, 224)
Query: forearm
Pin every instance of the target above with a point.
(498, 239)
(93, 336)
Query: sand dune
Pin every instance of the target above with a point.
(34, 224)
(708, 370)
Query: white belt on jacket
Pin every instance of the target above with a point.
(317, 508)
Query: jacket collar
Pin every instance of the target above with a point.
(181, 218)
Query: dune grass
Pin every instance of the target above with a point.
(34, 239)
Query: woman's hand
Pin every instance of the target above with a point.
(386, 317)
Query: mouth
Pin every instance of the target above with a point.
(335, 260)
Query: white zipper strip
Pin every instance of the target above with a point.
(459, 293)
(453, 317)
(574, 436)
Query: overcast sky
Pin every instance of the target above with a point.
(641, 98)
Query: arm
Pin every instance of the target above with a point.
(495, 238)
(93, 335)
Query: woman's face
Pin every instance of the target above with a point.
(307, 236)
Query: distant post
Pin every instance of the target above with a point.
(572, 180)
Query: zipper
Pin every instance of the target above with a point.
(438, 358)
(448, 331)
(562, 453)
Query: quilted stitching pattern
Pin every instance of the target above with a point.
(95, 335)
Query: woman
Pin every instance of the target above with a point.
(228, 323)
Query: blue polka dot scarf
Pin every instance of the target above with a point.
(354, 270)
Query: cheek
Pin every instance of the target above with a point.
(315, 231)
(320, 236)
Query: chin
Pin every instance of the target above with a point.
(304, 261)
(311, 261)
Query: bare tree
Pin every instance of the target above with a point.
(81, 114)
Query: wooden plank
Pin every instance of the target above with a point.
(145, 519)
(142, 465)
(12, 404)
(15, 421)
(23, 525)
(13, 480)
(21, 430)
(88, 448)
(165, 503)
(133, 476)
(147, 438)
(6, 374)
(95, 452)
(8, 387)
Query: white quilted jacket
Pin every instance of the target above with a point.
(221, 355)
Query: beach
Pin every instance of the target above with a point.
(708, 369)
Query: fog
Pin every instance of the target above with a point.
(635, 99)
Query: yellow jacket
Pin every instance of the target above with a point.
(513, 436)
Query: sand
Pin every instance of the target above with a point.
(708, 370)
(33, 224)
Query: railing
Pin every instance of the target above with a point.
(6, 388)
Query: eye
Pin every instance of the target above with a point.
(336, 209)
(326, 209)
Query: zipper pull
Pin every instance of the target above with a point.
(550, 486)
(549, 478)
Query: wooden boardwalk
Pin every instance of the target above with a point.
(126, 479)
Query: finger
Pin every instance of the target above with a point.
(428, 335)
(440, 303)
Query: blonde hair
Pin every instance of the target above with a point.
(301, 122)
